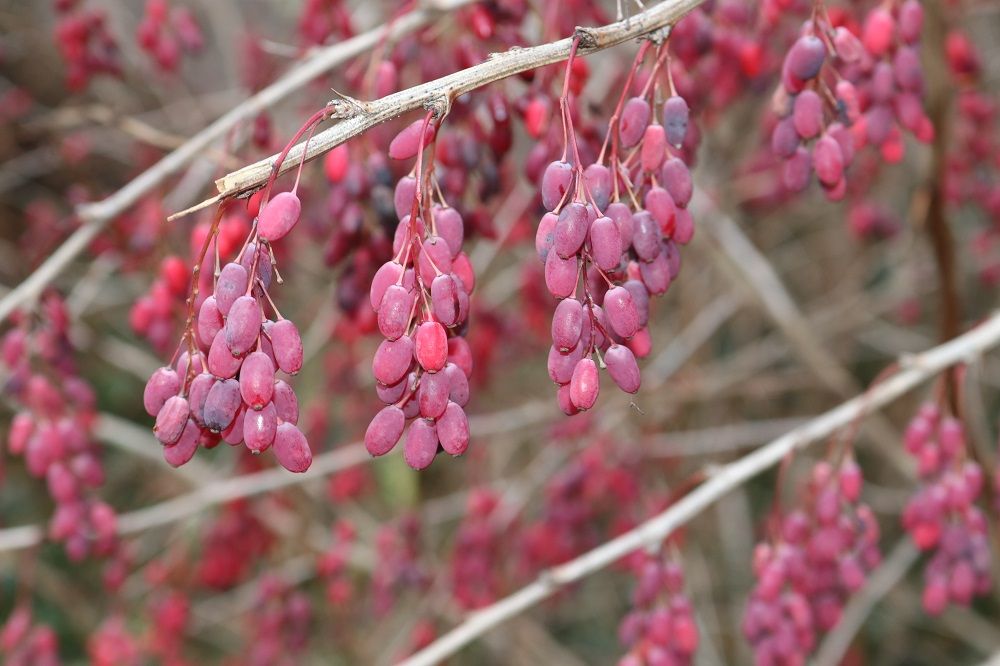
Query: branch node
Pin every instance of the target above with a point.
(345, 107)
(660, 35)
(586, 37)
(440, 105)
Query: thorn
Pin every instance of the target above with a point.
(187, 211)
(346, 106)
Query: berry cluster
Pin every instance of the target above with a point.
(477, 564)
(85, 43)
(871, 220)
(230, 545)
(421, 298)
(598, 249)
(165, 34)
(823, 554)
(841, 92)
(942, 517)
(155, 313)
(281, 620)
(53, 428)
(22, 644)
(660, 629)
(321, 20)
(224, 386)
(397, 549)
(169, 615)
(111, 644)
(332, 566)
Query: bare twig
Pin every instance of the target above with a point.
(915, 370)
(447, 88)
(95, 216)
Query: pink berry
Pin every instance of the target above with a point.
(243, 325)
(634, 119)
(385, 430)
(291, 448)
(407, 143)
(287, 345)
(556, 182)
(181, 451)
(392, 360)
(453, 430)
(675, 120)
(222, 404)
(431, 346)
(585, 385)
(171, 419)
(279, 216)
(257, 380)
(421, 444)
(623, 368)
(162, 384)
(259, 427)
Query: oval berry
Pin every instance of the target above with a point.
(431, 345)
(453, 430)
(162, 384)
(279, 216)
(243, 325)
(392, 360)
(259, 427)
(421, 444)
(222, 404)
(171, 419)
(623, 368)
(291, 448)
(232, 283)
(585, 385)
(257, 380)
(384, 430)
(287, 346)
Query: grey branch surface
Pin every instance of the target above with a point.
(914, 370)
(440, 92)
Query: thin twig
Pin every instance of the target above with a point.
(914, 371)
(95, 216)
(447, 88)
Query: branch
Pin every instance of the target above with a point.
(445, 89)
(192, 503)
(95, 216)
(914, 370)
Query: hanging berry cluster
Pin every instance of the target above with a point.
(333, 565)
(477, 566)
(421, 297)
(165, 34)
(223, 386)
(401, 567)
(841, 92)
(281, 624)
(821, 554)
(85, 43)
(155, 314)
(942, 517)
(23, 643)
(53, 427)
(322, 19)
(604, 257)
(660, 628)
